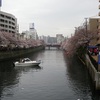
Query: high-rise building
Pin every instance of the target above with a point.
(33, 31)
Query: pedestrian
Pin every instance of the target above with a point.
(95, 51)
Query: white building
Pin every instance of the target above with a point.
(60, 38)
(33, 31)
(31, 34)
(8, 22)
(26, 35)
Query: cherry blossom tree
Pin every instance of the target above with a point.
(78, 40)
(9, 40)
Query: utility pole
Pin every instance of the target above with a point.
(86, 25)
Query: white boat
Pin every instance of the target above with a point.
(27, 62)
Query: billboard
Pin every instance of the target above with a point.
(0, 3)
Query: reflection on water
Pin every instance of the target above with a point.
(28, 68)
(10, 76)
(79, 78)
(57, 78)
(6, 66)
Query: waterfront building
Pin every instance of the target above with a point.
(8, 22)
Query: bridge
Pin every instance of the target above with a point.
(49, 46)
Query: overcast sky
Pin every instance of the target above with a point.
(51, 17)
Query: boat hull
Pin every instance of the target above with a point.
(27, 64)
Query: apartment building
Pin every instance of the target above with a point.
(93, 26)
(8, 22)
(94, 23)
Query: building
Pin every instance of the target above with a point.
(94, 23)
(94, 26)
(60, 38)
(31, 34)
(48, 39)
(33, 31)
(8, 22)
(25, 35)
(44, 38)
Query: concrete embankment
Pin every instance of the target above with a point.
(5, 55)
(95, 75)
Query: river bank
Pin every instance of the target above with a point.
(6, 55)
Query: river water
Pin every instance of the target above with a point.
(57, 78)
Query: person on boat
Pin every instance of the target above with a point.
(20, 60)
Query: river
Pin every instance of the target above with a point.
(57, 78)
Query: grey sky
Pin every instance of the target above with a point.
(51, 17)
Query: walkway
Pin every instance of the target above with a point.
(95, 58)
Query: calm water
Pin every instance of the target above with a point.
(57, 78)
